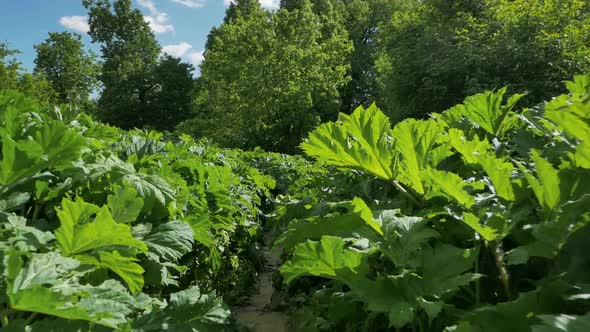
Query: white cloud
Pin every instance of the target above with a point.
(185, 51)
(157, 20)
(178, 50)
(268, 4)
(78, 23)
(191, 3)
(196, 58)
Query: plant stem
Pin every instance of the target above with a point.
(499, 257)
(407, 194)
(30, 318)
(36, 211)
(477, 282)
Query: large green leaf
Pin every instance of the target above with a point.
(479, 152)
(415, 141)
(124, 267)
(404, 238)
(44, 285)
(50, 145)
(449, 185)
(23, 237)
(546, 184)
(327, 258)
(359, 222)
(171, 240)
(75, 237)
(188, 310)
(125, 204)
(359, 141)
(488, 112)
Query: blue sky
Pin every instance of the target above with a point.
(181, 26)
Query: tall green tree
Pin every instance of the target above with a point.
(130, 54)
(14, 77)
(174, 96)
(362, 19)
(140, 87)
(434, 53)
(268, 78)
(71, 70)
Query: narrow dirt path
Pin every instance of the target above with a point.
(258, 314)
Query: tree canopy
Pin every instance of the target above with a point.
(71, 70)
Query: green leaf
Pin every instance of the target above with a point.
(359, 222)
(415, 141)
(171, 240)
(565, 323)
(480, 153)
(125, 204)
(13, 201)
(75, 237)
(202, 226)
(24, 237)
(449, 185)
(404, 238)
(580, 85)
(327, 258)
(124, 267)
(472, 221)
(45, 285)
(444, 269)
(546, 185)
(188, 311)
(487, 111)
(359, 141)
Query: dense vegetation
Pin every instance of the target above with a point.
(448, 188)
(480, 221)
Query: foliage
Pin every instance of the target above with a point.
(484, 231)
(268, 78)
(139, 88)
(71, 70)
(13, 76)
(434, 53)
(124, 230)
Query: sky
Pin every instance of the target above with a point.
(181, 26)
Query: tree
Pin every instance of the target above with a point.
(173, 98)
(130, 53)
(268, 78)
(434, 53)
(14, 77)
(71, 70)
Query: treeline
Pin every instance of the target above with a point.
(268, 78)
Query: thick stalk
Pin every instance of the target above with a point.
(477, 249)
(504, 276)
